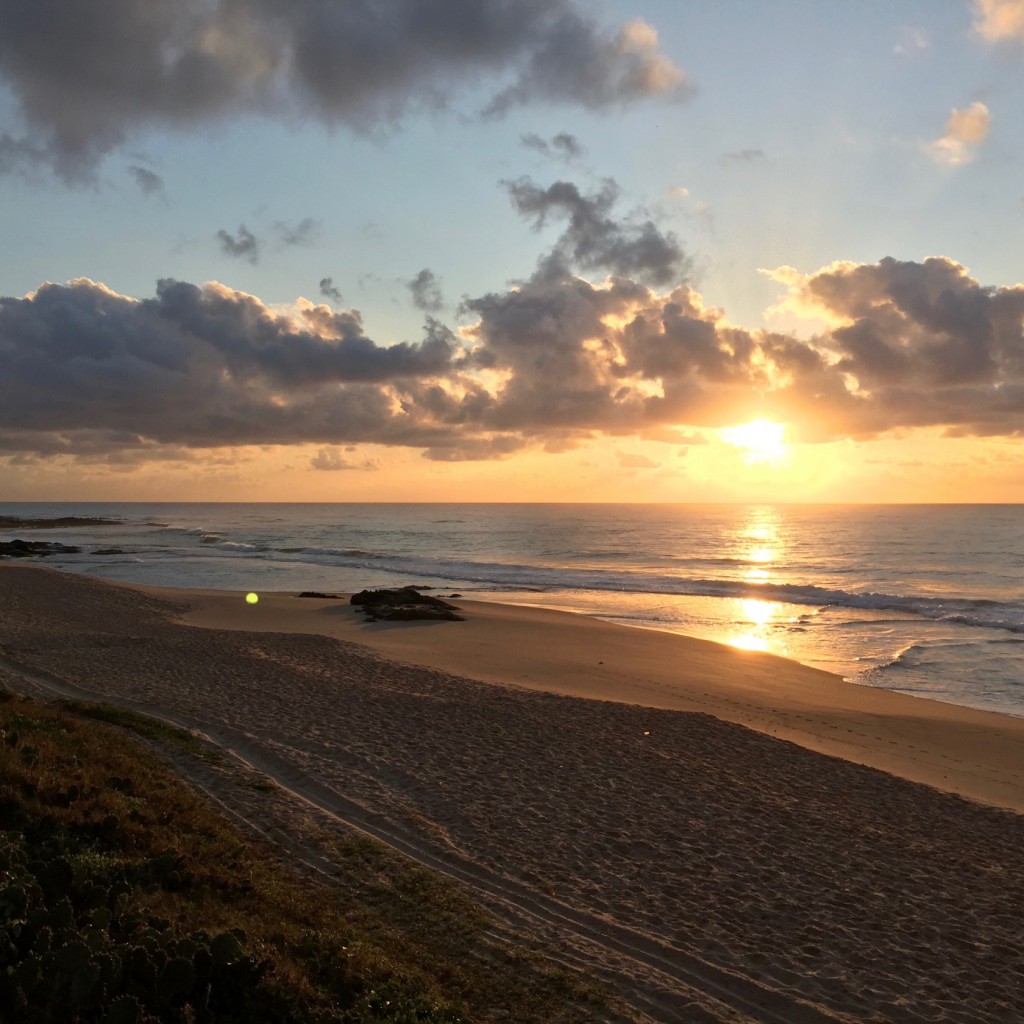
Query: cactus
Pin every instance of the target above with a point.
(226, 948)
(84, 983)
(56, 877)
(43, 940)
(29, 973)
(176, 979)
(124, 1010)
(72, 958)
(111, 972)
(13, 903)
(139, 967)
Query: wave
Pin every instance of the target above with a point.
(917, 656)
(500, 575)
(988, 613)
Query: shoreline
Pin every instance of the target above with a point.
(973, 753)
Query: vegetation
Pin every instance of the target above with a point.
(125, 899)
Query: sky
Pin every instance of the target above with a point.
(485, 250)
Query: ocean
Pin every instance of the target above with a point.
(924, 599)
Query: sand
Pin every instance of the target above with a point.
(709, 871)
(977, 754)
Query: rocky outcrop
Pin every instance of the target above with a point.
(403, 604)
(34, 549)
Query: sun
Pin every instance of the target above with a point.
(761, 440)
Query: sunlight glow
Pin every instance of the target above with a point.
(761, 440)
(760, 619)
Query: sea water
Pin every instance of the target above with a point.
(924, 599)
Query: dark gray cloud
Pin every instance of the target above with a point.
(244, 245)
(87, 76)
(578, 357)
(304, 233)
(915, 344)
(575, 62)
(204, 367)
(329, 291)
(548, 363)
(496, 446)
(332, 460)
(425, 289)
(563, 146)
(594, 239)
(149, 182)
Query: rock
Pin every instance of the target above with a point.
(20, 523)
(316, 593)
(403, 604)
(34, 548)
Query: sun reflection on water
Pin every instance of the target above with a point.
(756, 619)
(760, 547)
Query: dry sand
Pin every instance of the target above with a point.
(977, 754)
(713, 873)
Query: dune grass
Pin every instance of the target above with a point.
(125, 898)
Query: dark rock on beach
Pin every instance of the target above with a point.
(34, 549)
(403, 604)
(316, 593)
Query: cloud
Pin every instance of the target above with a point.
(966, 129)
(629, 460)
(426, 291)
(744, 156)
(912, 40)
(328, 291)
(149, 182)
(361, 65)
(593, 238)
(205, 367)
(244, 246)
(576, 63)
(497, 446)
(331, 460)
(998, 21)
(914, 344)
(303, 233)
(548, 362)
(563, 146)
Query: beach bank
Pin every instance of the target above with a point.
(711, 870)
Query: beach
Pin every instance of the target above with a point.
(722, 835)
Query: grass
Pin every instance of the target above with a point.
(138, 902)
(143, 725)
